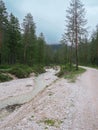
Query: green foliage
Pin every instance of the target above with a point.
(5, 66)
(21, 71)
(63, 69)
(29, 39)
(3, 14)
(4, 78)
(38, 69)
(61, 72)
(52, 122)
(26, 48)
(49, 122)
(41, 49)
(72, 75)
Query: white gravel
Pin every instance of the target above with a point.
(71, 106)
(16, 87)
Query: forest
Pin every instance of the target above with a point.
(21, 45)
(47, 86)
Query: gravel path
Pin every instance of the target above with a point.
(61, 106)
(86, 116)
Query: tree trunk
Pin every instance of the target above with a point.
(0, 44)
(76, 35)
(76, 55)
(0, 39)
(25, 55)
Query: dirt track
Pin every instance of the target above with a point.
(86, 116)
(72, 106)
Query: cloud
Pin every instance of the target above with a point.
(49, 15)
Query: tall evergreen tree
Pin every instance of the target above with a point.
(29, 39)
(14, 39)
(94, 47)
(3, 23)
(41, 49)
(75, 25)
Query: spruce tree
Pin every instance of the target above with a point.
(29, 39)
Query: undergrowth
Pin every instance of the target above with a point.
(4, 78)
(19, 70)
(70, 73)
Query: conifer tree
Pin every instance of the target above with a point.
(75, 26)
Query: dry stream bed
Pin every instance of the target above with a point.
(60, 105)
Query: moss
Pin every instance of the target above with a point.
(49, 122)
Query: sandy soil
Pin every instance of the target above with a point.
(69, 106)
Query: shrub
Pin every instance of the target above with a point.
(38, 69)
(18, 72)
(5, 66)
(21, 71)
(62, 71)
(4, 78)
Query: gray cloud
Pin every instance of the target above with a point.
(49, 15)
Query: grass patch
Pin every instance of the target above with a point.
(49, 122)
(4, 78)
(73, 74)
(70, 73)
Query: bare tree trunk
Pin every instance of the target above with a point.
(76, 35)
(0, 39)
(76, 52)
(0, 44)
(70, 59)
(24, 54)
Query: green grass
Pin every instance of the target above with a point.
(52, 122)
(70, 73)
(73, 74)
(49, 122)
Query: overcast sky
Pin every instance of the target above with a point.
(49, 15)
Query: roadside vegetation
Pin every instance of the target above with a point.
(19, 71)
(4, 77)
(70, 73)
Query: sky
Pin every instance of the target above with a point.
(49, 15)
